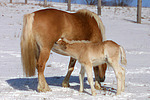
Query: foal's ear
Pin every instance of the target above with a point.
(63, 45)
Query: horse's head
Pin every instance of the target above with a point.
(100, 71)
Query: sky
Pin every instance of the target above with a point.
(145, 3)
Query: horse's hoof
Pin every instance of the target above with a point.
(81, 91)
(65, 84)
(44, 89)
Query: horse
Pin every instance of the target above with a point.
(42, 28)
(91, 54)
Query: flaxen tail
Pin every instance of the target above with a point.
(28, 46)
(123, 56)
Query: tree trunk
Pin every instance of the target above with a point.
(69, 5)
(99, 7)
(139, 8)
(10, 1)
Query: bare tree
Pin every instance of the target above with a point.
(94, 2)
(91, 2)
(65, 1)
(122, 2)
(139, 8)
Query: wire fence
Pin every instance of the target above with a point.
(47, 3)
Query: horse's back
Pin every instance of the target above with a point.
(49, 24)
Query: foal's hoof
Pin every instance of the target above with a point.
(94, 94)
(65, 84)
(118, 93)
(97, 86)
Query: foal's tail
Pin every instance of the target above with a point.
(123, 56)
(28, 46)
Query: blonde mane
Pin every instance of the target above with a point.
(75, 41)
(98, 20)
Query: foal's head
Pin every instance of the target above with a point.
(61, 44)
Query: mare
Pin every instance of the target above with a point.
(41, 29)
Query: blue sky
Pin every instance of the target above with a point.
(145, 3)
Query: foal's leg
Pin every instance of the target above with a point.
(42, 84)
(123, 79)
(88, 69)
(118, 72)
(70, 70)
(81, 78)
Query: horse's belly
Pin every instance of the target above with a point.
(96, 62)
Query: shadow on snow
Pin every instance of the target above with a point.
(27, 84)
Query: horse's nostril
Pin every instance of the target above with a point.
(102, 79)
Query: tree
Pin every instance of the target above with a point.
(65, 1)
(95, 2)
(122, 2)
(91, 2)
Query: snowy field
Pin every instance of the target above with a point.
(120, 26)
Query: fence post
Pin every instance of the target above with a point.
(139, 8)
(10, 1)
(45, 2)
(69, 5)
(99, 7)
(26, 1)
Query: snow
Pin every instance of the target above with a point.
(120, 26)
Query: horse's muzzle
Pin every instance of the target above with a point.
(102, 79)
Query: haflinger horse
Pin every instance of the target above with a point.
(41, 29)
(93, 54)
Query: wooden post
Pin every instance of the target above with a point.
(99, 7)
(69, 5)
(26, 1)
(10, 1)
(45, 2)
(139, 8)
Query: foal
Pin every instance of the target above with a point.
(93, 54)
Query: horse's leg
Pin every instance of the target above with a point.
(102, 71)
(88, 69)
(118, 72)
(123, 79)
(81, 78)
(97, 78)
(70, 70)
(42, 84)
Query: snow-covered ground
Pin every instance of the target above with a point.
(120, 26)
